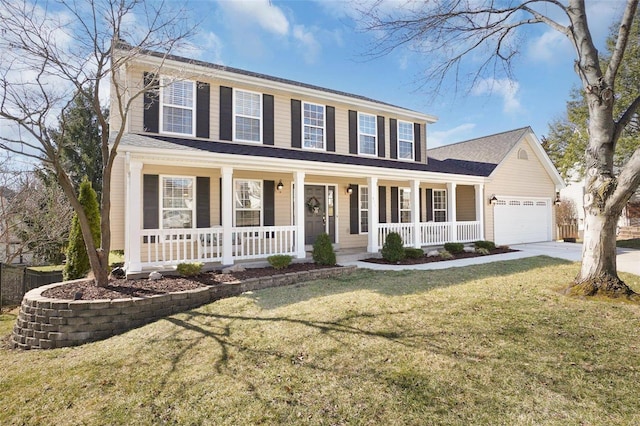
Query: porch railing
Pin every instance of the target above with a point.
(404, 229)
(431, 233)
(468, 231)
(165, 247)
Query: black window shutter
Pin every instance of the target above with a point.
(203, 91)
(416, 142)
(353, 132)
(268, 192)
(420, 202)
(429, 205)
(151, 201)
(151, 115)
(393, 137)
(354, 213)
(267, 115)
(381, 140)
(202, 202)
(395, 208)
(226, 113)
(331, 128)
(296, 124)
(382, 204)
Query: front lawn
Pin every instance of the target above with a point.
(486, 344)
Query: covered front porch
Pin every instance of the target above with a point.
(172, 218)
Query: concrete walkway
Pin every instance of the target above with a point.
(628, 260)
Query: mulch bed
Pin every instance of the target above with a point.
(123, 288)
(425, 259)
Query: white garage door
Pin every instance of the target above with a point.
(522, 220)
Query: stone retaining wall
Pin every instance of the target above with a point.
(45, 323)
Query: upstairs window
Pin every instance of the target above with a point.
(313, 129)
(177, 202)
(439, 205)
(247, 116)
(178, 106)
(405, 140)
(248, 202)
(367, 134)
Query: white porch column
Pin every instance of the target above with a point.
(133, 216)
(415, 212)
(372, 243)
(226, 215)
(298, 202)
(451, 210)
(479, 189)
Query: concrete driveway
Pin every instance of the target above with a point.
(628, 260)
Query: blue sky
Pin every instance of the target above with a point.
(318, 42)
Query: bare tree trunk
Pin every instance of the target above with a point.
(598, 272)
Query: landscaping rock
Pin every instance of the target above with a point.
(154, 276)
(233, 268)
(469, 249)
(433, 253)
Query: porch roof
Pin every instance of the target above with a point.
(161, 142)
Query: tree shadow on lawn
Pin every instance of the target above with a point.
(397, 283)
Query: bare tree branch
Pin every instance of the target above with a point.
(621, 41)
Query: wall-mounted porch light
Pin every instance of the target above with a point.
(557, 201)
(493, 200)
(349, 189)
(280, 186)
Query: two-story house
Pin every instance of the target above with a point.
(220, 164)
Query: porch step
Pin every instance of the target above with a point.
(353, 255)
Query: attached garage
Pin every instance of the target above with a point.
(522, 220)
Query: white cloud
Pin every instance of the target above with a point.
(549, 47)
(260, 12)
(505, 88)
(307, 42)
(445, 137)
(208, 48)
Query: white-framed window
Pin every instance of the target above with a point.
(177, 106)
(313, 126)
(247, 204)
(404, 205)
(247, 116)
(367, 134)
(363, 207)
(439, 205)
(177, 202)
(405, 140)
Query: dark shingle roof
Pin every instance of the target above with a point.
(478, 156)
(266, 151)
(125, 46)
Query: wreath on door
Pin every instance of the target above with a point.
(313, 205)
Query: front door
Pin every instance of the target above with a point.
(315, 212)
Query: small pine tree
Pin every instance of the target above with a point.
(323, 253)
(77, 265)
(393, 248)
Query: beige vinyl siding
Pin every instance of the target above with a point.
(465, 203)
(116, 214)
(282, 121)
(518, 178)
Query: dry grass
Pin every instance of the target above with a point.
(488, 344)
